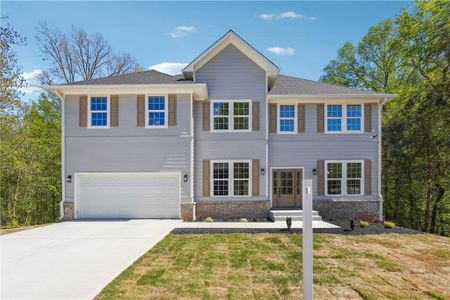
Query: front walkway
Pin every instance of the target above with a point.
(253, 225)
(73, 260)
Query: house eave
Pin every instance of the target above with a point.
(198, 90)
(384, 97)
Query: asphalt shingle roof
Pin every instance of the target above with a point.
(284, 85)
(288, 85)
(145, 77)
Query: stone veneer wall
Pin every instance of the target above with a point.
(232, 209)
(348, 209)
(188, 211)
(68, 211)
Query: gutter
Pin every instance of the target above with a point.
(387, 97)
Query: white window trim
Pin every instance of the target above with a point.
(166, 111)
(108, 112)
(343, 119)
(344, 177)
(231, 115)
(231, 178)
(279, 118)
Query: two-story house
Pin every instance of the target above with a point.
(228, 138)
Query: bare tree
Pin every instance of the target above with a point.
(80, 55)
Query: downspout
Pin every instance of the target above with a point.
(267, 173)
(192, 156)
(380, 196)
(63, 148)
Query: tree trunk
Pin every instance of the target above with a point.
(440, 191)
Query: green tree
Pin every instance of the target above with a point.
(409, 56)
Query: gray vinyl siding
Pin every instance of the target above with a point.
(304, 149)
(230, 75)
(128, 148)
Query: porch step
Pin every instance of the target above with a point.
(296, 215)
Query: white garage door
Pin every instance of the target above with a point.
(127, 195)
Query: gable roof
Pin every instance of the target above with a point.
(288, 85)
(145, 77)
(232, 38)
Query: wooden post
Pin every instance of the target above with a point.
(307, 233)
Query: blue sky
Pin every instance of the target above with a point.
(300, 37)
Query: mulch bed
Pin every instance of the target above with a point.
(372, 228)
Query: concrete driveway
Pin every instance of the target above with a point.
(73, 260)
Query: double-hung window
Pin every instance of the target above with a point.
(231, 115)
(344, 178)
(287, 118)
(344, 118)
(156, 112)
(98, 112)
(231, 178)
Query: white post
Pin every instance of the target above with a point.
(307, 240)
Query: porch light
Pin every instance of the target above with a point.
(314, 172)
(185, 177)
(263, 171)
(69, 178)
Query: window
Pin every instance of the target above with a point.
(344, 178)
(221, 112)
(353, 178)
(231, 115)
(98, 112)
(221, 178)
(156, 114)
(287, 120)
(353, 117)
(334, 178)
(344, 118)
(334, 118)
(231, 178)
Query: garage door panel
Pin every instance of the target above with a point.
(140, 195)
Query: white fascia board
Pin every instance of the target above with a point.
(199, 90)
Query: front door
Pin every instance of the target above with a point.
(287, 188)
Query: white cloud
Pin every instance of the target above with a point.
(267, 17)
(172, 68)
(182, 31)
(282, 51)
(32, 83)
(285, 15)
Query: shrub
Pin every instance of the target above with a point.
(352, 224)
(244, 220)
(389, 224)
(363, 223)
(289, 223)
(209, 220)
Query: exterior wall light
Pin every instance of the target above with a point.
(314, 172)
(263, 171)
(69, 179)
(185, 177)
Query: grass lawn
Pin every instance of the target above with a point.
(7, 230)
(268, 266)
